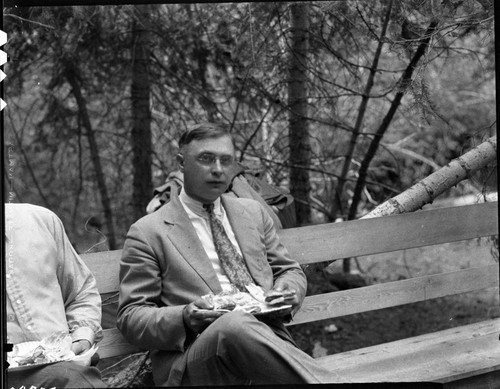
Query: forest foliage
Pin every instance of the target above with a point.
(344, 103)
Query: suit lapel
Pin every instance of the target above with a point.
(183, 236)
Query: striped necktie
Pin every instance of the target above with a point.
(231, 261)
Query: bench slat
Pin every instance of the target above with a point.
(442, 356)
(378, 296)
(319, 243)
(332, 241)
(369, 298)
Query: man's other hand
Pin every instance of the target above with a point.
(199, 314)
(289, 295)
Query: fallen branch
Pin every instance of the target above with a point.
(429, 188)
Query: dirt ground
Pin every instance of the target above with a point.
(370, 328)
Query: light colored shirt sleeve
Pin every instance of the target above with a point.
(82, 301)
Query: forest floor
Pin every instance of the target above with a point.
(366, 329)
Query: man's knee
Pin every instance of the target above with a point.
(237, 324)
(239, 332)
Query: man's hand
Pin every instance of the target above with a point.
(289, 296)
(80, 346)
(199, 314)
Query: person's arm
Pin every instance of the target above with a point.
(82, 301)
(142, 317)
(287, 273)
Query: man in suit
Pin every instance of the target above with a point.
(170, 259)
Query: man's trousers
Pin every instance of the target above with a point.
(238, 349)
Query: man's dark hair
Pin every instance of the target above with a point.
(204, 130)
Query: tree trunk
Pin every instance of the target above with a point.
(72, 75)
(201, 55)
(372, 150)
(337, 204)
(141, 116)
(300, 148)
(429, 188)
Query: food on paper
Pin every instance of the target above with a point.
(221, 302)
(54, 348)
(251, 302)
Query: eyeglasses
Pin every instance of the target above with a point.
(208, 159)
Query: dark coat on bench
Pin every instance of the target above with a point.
(164, 267)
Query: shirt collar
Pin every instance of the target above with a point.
(197, 206)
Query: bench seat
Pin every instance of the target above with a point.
(453, 354)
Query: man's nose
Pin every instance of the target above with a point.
(217, 167)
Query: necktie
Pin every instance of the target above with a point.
(231, 261)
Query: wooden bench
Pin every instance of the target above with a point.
(466, 356)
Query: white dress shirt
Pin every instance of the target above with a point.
(199, 218)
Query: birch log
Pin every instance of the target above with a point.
(429, 188)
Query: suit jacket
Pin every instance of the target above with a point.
(164, 267)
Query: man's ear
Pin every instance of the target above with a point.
(180, 159)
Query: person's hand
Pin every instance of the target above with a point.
(288, 296)
(199, 314)
(80, 346)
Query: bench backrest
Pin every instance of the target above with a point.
(334, 241)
